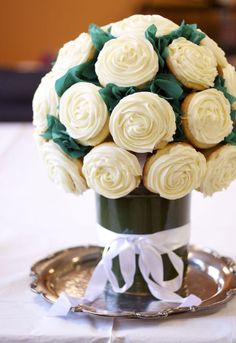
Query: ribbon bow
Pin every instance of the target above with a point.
(149, 249)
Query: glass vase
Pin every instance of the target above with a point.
(143, 212)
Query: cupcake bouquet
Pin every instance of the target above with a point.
(140, 104)
(142, 100)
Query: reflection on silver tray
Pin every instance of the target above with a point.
(210, 276)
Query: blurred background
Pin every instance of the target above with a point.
(33, 31)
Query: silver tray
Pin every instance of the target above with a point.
(210, 276)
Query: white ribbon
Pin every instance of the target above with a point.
(149, 249)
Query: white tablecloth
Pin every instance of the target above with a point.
(36, 219)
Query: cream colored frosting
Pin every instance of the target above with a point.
(229, 74)
(174, 171)
(62, 170)
(142, 121)
(138, 23)
(111, 171)
(84, 113)
(193, 65)
(45, 101)
(127, 61)
(209, 116)
(221, 170)
(217, 51)
(75, 52)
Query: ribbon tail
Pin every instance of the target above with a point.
(177, 262)
(171, 297)
(95, 287)
(191, 300)
(127, 266)
(150, 256)
(63, 305)
(126, 253)
(163, 293)
(157, 291)
(97, 283)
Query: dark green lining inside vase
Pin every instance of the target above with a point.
(142, 214)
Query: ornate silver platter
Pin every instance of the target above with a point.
(210, 276)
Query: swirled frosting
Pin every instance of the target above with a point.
(84, 113)
(206, 118)
(214, 47)
(62, 170)
(174, 171)
(229, 74)
(45, 101)
(142, 121)
(193, 65)
(138, 23)
(127, 61)
(75, 52)
(111, 171)
(221, 170)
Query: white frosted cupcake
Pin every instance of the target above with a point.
(111, 171)
(45, 101)
(137, 24)
(206, 118)
(73, 53)
(64, 171)
(229, 74)
(142, 121)
(193, 65)
(221, 169)
(174, 171)
(84, 113)
(127, 61)
(217, 51)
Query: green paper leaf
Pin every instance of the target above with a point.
(233, 116)
(99, 37)
(150, 34)
(231, 138)
(188, 31)
(112, 94)
(179, 134)
(160, 44)
(84, 72)
(219, 84)
(56, 132)
(166, 86)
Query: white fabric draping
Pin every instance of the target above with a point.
(36, 219)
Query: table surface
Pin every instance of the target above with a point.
(36, 219)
